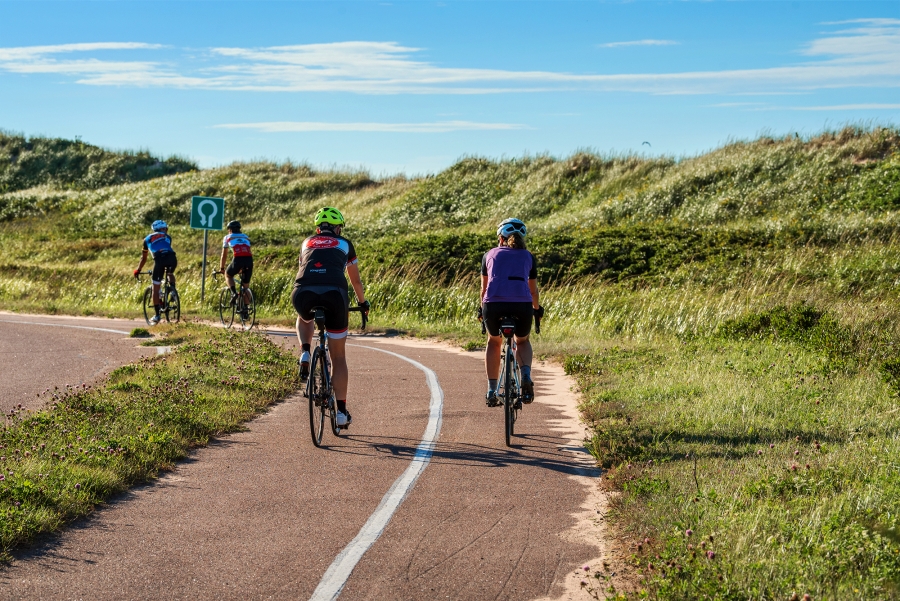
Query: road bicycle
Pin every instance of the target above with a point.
(231, 306)
(509, 388)
(171, 303)
(318, 390)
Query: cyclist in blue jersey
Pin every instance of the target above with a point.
(509, 289)
(242, 259)
(324, 258)
(159, 244)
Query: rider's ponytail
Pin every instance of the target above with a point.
(515, 240)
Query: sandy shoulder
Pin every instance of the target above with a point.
(559, 391)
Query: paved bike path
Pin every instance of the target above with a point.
(69, 350)
(262, 514)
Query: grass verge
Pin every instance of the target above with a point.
(758, 462)
(90, 443)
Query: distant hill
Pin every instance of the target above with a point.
(827, 178)
(29, 162)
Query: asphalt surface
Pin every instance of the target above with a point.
(38, 357)
(262, 514)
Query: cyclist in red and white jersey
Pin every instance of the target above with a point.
(241, 261)
(324, 257)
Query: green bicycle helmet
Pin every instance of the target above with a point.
(330, 216)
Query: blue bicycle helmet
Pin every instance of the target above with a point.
(159, 224)
(511, 226)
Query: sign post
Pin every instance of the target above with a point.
(207, 213)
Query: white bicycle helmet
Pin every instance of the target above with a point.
(511, 226)
(159, 224)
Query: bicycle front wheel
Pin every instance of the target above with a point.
(317, 394)
(172, 306)
(247, 310)
(149, 311)
(226, 309)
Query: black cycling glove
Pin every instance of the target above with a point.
(539, 312)
(365, 306)
(480, 314)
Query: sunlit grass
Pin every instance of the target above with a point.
(723, 314)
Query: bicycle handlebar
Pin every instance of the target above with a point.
(364, 315)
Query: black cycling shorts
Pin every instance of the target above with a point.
(335, 301)
(161, 262)
(522, 313)
(239, 264)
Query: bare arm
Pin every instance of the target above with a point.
(535, 299)
(143, 260)
(222, 260)
(356, 282)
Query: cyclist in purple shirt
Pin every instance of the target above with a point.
(509, 289)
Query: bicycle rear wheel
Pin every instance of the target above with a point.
(173, 306)
(247, 311)
(509, 397)
(226, 309)
(149, 311)
(318, 401)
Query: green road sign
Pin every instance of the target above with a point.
(207, 213)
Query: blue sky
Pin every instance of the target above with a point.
(413, 86)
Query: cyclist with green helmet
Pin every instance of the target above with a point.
(158, 244)
(324, 257)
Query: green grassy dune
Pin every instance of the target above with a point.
(731, 319)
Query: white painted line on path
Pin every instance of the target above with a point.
(337, 574)
(62, 325)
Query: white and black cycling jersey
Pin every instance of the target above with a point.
(323, 259)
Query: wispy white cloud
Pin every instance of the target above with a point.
(416, 128)
(861, 53)
(44, 59)
(25, 53)
(734, 104)
(840, 107)
(639, 43)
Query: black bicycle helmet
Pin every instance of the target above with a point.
(234, 226)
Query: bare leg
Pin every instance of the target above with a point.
(305, 331)
(246, 288)
(492, 357)
(524, 352)
(339, 377)
(156, 301)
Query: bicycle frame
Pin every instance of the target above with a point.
(167, 292)
(320, 393)
(230, 306)
(509, 388)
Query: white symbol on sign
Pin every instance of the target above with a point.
(204, 219)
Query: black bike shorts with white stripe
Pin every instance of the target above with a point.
(241, 264)
(161, 262)
(335, 301)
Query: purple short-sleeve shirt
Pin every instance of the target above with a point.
(508, 271)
